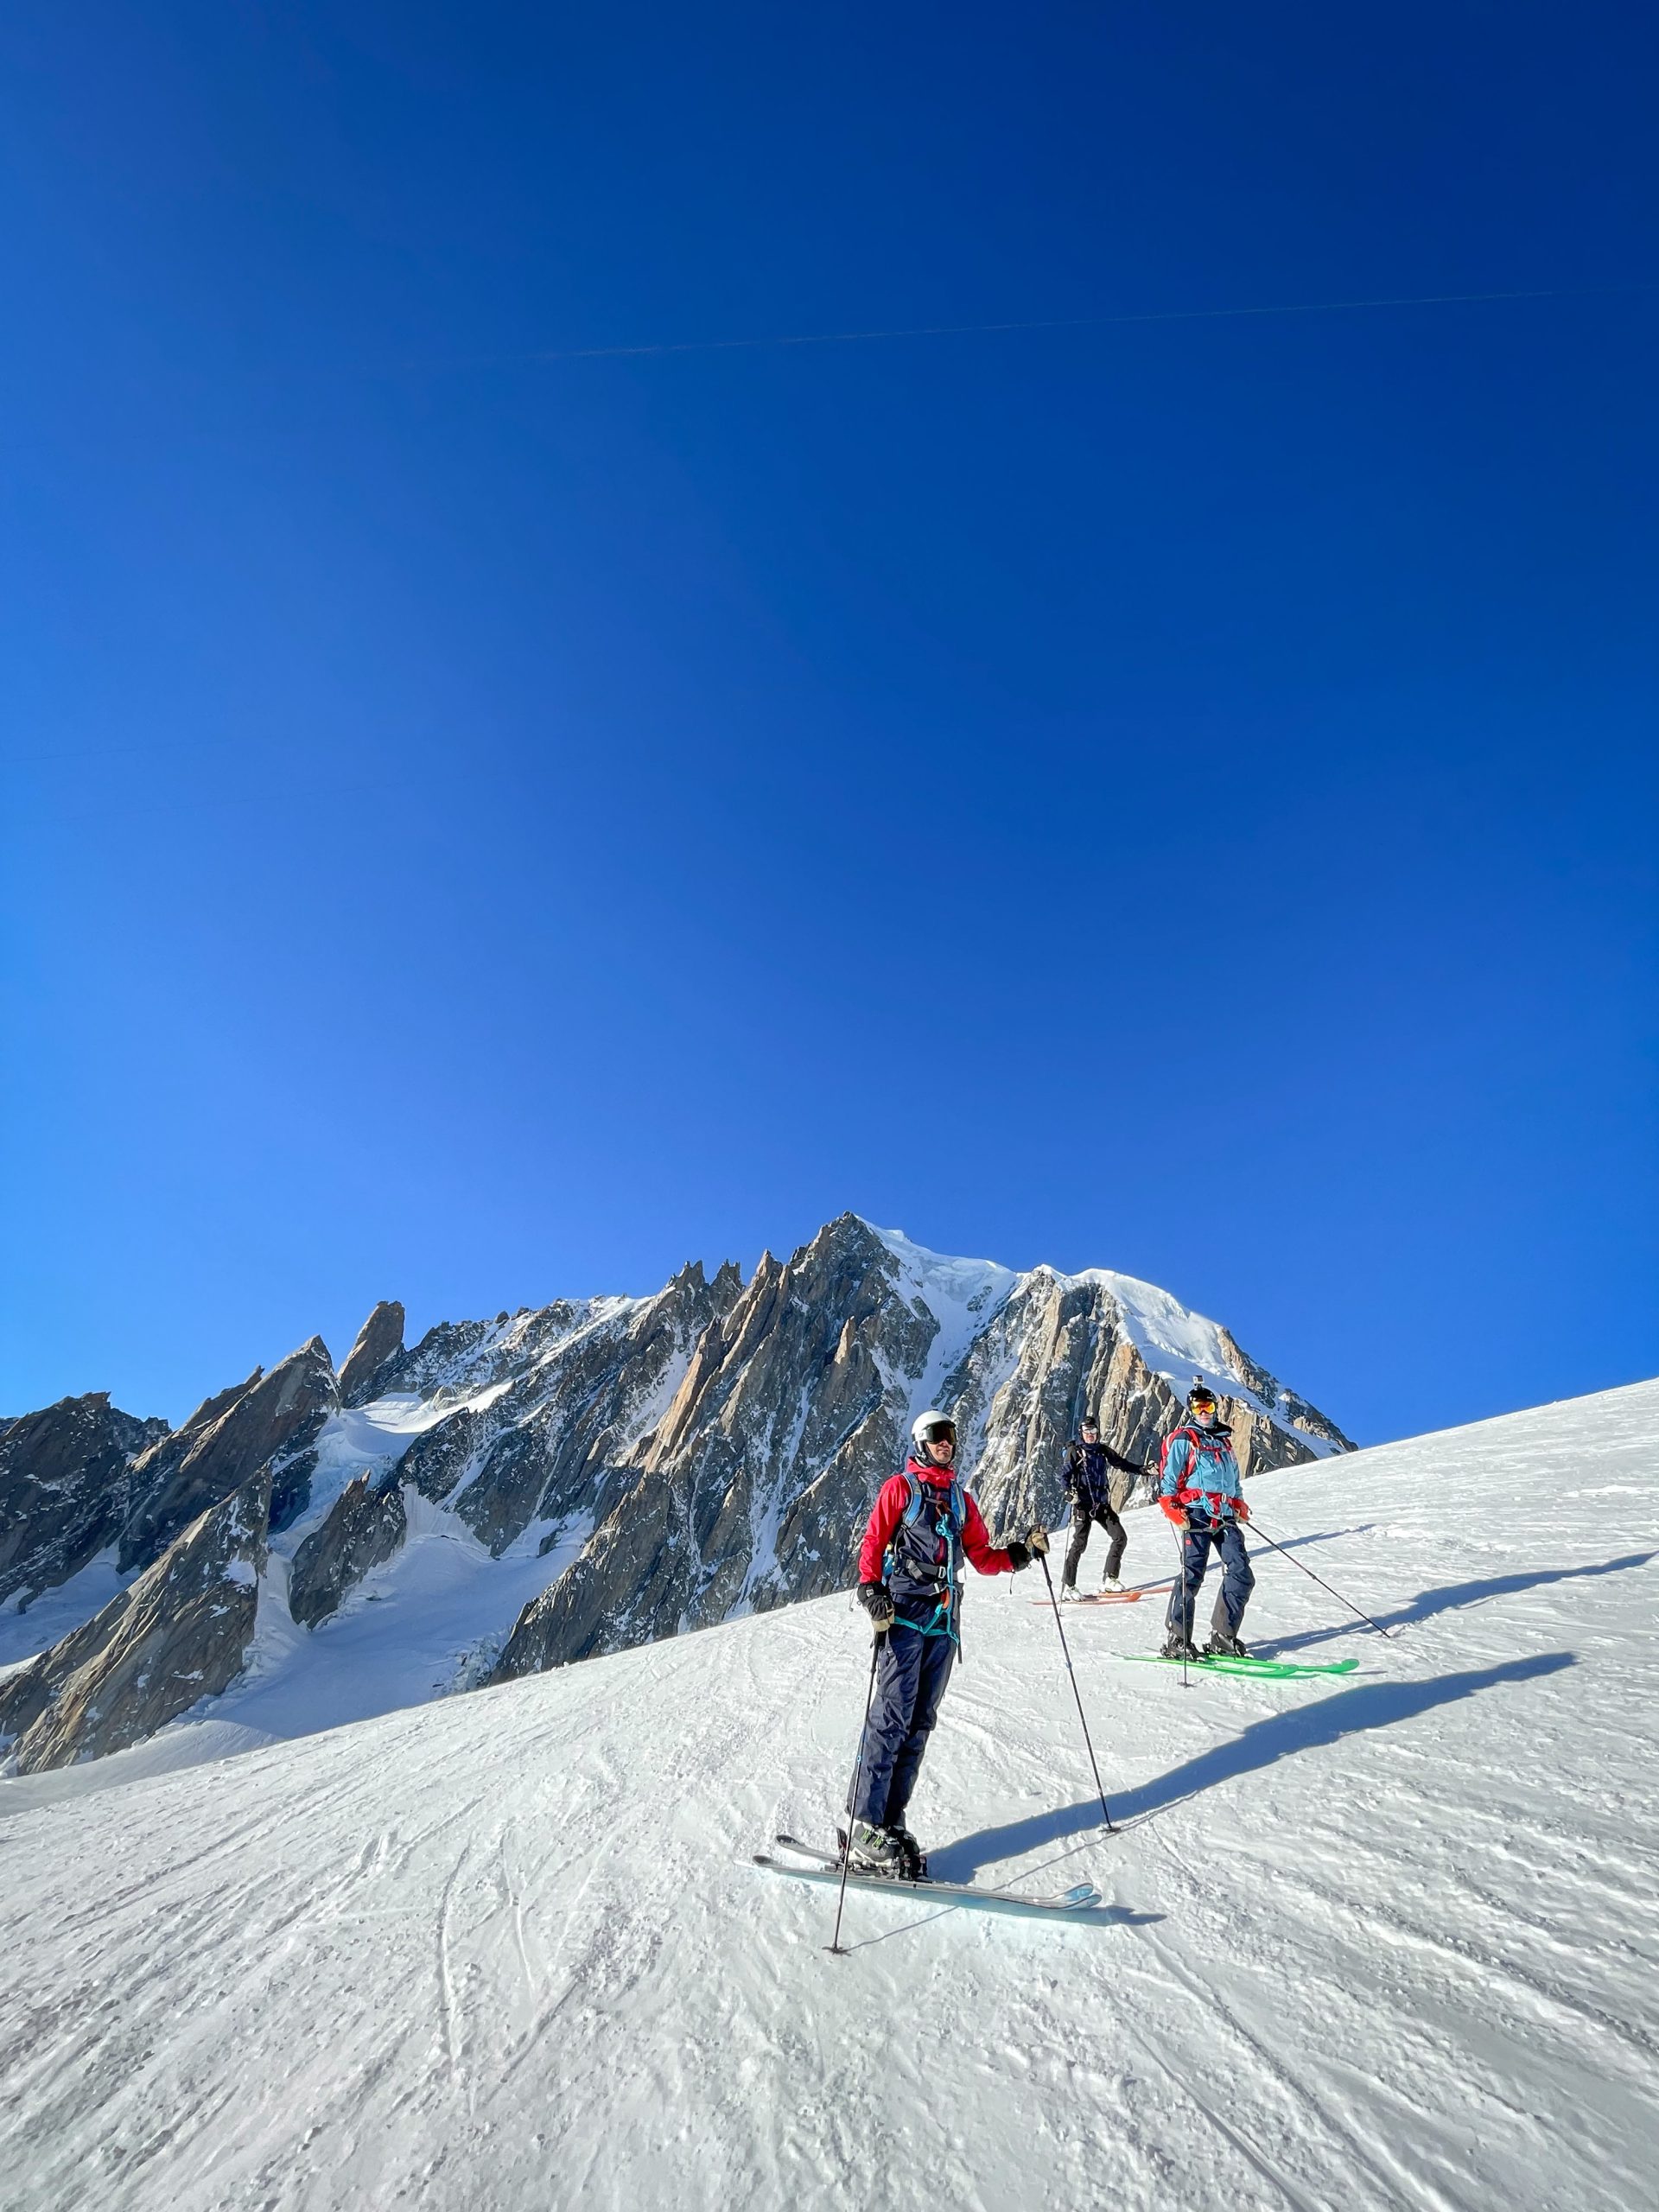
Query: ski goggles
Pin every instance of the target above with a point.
(939, 1431)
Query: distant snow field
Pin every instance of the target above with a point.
(1387, 1940)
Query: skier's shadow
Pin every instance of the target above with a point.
(1318, 1536)
(1263, 1743)
(1450, 1597)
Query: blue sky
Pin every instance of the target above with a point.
(1176, 796)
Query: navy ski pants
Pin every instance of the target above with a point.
(1238, 1578)
(910, 1679)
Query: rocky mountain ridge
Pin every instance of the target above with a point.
(568, 1480)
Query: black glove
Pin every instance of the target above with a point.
(876, 1602)
(1019, 1553)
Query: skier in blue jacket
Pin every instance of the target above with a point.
(1200, 1490)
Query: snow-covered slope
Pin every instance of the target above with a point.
(1393, 1941)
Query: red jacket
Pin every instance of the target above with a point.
(894, 1497)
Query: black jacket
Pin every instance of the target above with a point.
(1088, 1476)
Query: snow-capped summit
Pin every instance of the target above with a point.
(1176, 1345)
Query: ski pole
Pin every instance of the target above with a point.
(1076, 1692)
(876, 1643)
(1320, 1579)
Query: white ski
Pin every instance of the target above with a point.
(825, 1866)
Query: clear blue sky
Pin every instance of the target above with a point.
(1176, 796)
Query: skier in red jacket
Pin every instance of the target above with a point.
(910, 1583)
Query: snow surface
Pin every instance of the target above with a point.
(1385, 1941)
(962, 1296)
(25, 1630)
(455, 1606)
(1183, 1347)
(430, 1619)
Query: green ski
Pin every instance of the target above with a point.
(1272, 1670)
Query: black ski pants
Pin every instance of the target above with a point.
(1084, 1517)
(1238, 1578)
(910, 1679)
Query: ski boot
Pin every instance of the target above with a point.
(1111, 1584)
(871, 1850)
(1069, 1593)
(1225, 1646)
(1176, 1646)
(914, 1865)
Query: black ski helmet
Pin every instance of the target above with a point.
(1200, 1394)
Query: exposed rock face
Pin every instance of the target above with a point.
(179, 1634)
(1267, 1443)
(582, 1408)
(64, 1489)
(25, 1695)
(457, 1359)
(268, 1422)
(640, 1566)
(366, 1524)
(796, 1405)
(1064, 1344)
(379, 1341)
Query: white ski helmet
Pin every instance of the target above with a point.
(932, 1428)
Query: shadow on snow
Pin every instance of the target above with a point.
(1450, 1597)
(1262, 1744)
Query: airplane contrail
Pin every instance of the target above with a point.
(1064, 323)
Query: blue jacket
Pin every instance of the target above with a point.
(1200, 1462)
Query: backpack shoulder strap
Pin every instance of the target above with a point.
(918, 1506)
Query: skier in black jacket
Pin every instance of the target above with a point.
(1088, 1485)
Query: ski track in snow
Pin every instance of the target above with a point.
(1387, 1940)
